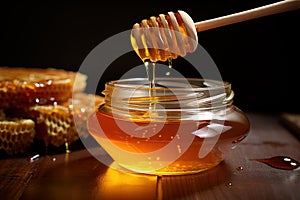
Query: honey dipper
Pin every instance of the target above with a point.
(175, 34)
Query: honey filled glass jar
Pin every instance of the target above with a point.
(180, 126)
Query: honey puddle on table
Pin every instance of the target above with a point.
(280, 162)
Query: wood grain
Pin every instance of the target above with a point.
(79, 175)
(15, 174)
(292, 122)
(240, 177)
(271, 9)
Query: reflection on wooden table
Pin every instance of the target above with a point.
(79, 175)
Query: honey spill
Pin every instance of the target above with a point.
(238, 140)
(229, 184)
(34, 158)
(239, 168)
(280, 162)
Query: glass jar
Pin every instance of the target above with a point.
(180, 126)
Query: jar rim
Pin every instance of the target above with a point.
(206, 84)
(173, 95)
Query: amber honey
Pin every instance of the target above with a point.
(166, 36)
(168, 137)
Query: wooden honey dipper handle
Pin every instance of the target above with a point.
(279, 7)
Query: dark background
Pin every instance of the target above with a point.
(259, 57)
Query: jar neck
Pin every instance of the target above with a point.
(129, 97)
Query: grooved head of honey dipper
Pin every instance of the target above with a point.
(166, 36)
(190, 29)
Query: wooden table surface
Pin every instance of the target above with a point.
(79, 175)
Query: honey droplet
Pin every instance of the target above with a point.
(239, 139)
(239, 168)
(168, 73)
(34, 157)
(229, 184)
(281, 162)
(67, 146)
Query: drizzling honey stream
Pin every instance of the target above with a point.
(163, 38)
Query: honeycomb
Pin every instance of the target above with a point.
(43, 104)
(16, 135)
(61, 124)
(32, 86)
